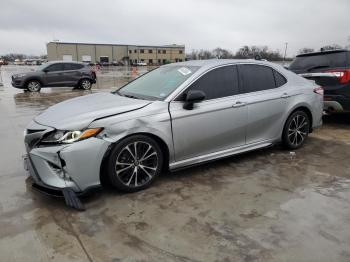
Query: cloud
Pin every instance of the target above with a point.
(26, 26)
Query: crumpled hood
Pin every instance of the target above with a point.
(78, 113)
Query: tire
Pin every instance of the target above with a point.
(129, 172)
(85, 84)
(33, 86)
(296, 130)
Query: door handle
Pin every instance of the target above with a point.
(285, 95)
(239, 104)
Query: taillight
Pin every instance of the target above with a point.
(319, 90)
(342, 75)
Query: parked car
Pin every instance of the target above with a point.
(3, 62)
(54, 74)
(18, 62)
(331, 69)
(175, 116)
(140, 63)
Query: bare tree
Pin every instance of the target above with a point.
(258, 51)
(222, 53)
(331, 47)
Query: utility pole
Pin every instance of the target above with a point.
(285, 51)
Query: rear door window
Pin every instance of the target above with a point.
(217, 83)
(256, 78)
(280, 79)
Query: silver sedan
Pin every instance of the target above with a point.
(175, 116)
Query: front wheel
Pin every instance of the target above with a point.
(33, 86)
(85, 84)
(134, 163)
(296, 130)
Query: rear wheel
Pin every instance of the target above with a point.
(85, 84)
(296, 130)
(33, 86)
(134, 163)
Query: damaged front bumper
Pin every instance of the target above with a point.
(63, 170)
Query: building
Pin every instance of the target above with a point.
(115, 53)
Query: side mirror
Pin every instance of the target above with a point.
(193, 96)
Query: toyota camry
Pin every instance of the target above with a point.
(175, 116)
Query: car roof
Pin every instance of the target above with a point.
(211, 63)
(323, 52)
(69, 62)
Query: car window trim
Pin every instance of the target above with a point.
(262, 91)
(180, 92)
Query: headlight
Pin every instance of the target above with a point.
(18, 75)
(68, 137)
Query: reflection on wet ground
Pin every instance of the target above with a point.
(268, 205)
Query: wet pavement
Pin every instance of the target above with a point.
(268, 205)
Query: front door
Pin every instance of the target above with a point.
(217, 123)
(53, 75)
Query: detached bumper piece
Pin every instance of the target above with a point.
(72, 199)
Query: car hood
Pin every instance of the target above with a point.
(78, 113)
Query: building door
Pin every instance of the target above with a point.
(104, 59)
(67, 58)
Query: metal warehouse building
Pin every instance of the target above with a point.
(115, 53)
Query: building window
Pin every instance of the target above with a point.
(135, 51)
(142, 60)
(164, 51)
(159, 51)
(135, 61)
(150, 51)
(159, 61)
(180, 51)
(150, 61)
(142, 51)
(180, 60)
(130, 51)
(164, 61)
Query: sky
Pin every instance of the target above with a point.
(27, 25)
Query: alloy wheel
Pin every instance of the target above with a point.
(136, 164)
(298, 130)
(33, 86)
(86, 84)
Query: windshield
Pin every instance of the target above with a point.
(158, 83)
(41, 67)
(319, 61)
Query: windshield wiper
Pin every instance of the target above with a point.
(131, 96)
(127, 95)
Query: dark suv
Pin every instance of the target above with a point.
(56, 74)
(331, 70)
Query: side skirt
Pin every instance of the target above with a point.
(217, 155)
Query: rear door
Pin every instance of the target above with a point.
(266, 100)
(213, 125)
(72, 73)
